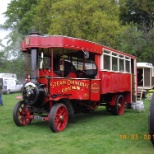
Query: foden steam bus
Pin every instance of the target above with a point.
(67, 75)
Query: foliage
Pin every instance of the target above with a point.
(138, 39)
(91, 20)
(16, 66)
(137, 43)
(97, 132)
(20, 15)
(138, 11)
(2, 59)
(19, 20)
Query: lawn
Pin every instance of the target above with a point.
(98, 132)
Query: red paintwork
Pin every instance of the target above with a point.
(95, 90)
(57, 41)
(112, 82)
(72, 88)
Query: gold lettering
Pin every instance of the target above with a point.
(68, 82)
(78, 88)
(73, 87)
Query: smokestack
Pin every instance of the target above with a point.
(33, 64)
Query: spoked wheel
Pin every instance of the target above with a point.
(58, 117)
(119, 107)
(151, 119)
(21, 115)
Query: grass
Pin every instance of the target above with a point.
(93, 133)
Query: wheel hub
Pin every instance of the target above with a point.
(119, 105)
(61, 118)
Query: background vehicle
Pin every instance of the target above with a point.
(8, 75)
(10, 85)
(69, 75)
(145, 75)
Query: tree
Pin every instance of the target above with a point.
(138, 38)
(140, 12)
(19, 20)
(2, 59)
(96, 21)
(137, 43)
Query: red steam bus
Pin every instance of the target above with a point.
(67, 75)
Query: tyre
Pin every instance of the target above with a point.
(151, 119)
(70, 109)
(119, 107)
(21, 114)
(58, 117)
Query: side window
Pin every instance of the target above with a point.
(5, 82)
(114, 64)
(127, 66)
(17, 82)
(107, 62)
(121, 65)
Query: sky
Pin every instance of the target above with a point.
(3, 8)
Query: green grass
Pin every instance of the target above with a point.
(93, 133)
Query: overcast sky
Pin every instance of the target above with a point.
(3, 8)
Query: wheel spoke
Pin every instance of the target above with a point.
(21, 114)
(59, 117)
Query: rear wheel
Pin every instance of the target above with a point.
(58, 117)
(151, 119)
(119, 107)
(21, 115)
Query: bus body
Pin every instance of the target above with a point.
(69, 75)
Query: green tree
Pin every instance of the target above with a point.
(137, 43)
(2, 59)
(96, 21)
(19, 21)
(137, 39)
(140, 12)
(20, 15)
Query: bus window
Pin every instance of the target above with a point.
(127, 66)
(107, 62)
(114, 64)
(121, 65)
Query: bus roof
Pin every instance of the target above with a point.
(59, 41)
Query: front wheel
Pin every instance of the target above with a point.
(151, 119)
(21, 115)
(58, 117)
